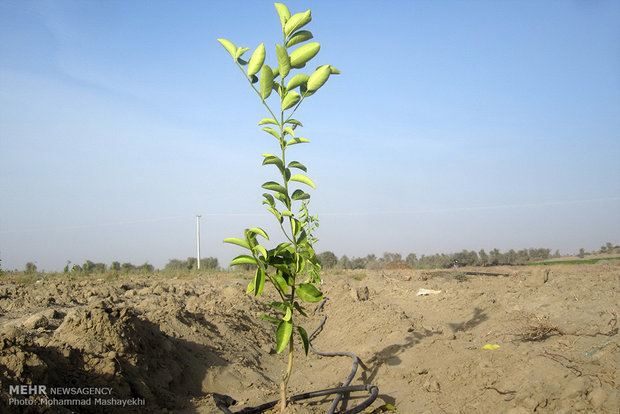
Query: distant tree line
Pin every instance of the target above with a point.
(330, 261)
(174, 265)
(437, 261)
(91, 268)
(608, 248)
(206, 263)
(442, 260)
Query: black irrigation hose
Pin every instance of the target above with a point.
(356, 360)
(224, 401)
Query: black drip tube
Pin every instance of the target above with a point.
(223, 402)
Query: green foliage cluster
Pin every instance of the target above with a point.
(294, 257)
(174, 265)
(91, 268)
(609, 248)
(291, 267)
(30, 268)
(206, 263)
(117, 268)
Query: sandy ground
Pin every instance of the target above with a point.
(174, 342)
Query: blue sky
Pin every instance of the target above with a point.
(454, 125)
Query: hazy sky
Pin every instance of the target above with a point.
(454, 125)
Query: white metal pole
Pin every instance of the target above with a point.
(198, 239)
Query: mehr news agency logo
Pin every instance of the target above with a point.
(42, 395)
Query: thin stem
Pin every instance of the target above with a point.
(286, 234)
(295, 109)
(256, 90)
(289, 368)
(286, 377)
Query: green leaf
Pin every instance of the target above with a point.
(269, 199)
(290, 99)
(273, 186)
(253, 79)
(277, 305)
(240, 51)
(260, 249)
(318, 78)
(300, 36)
(283, 335)
(259, 231)
(284, 61)
(266, 82)
(309, 293)
(259, 282)
(257, 60)
(268, 121)
(298, 165)
(272, 132)
(280, 282)
(272, 159)
(284, 247)
(289, 131)
(298, 140)
(283, 13)
(243, 259)
(269, 318)
(275, 213)
(300, 262)
(297, 80)
(333, 70)
(303, 237)
(243, 62)
(284, 199)
(237, 241)
(303, 179)
(250, 287)
(303, 54)
(296, 226)
(297, 21)
(304, 338)
(288, 315)
(287, 213)
(229, 46)
(300, 195)
(294, 122)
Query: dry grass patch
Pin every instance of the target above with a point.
(531, 327)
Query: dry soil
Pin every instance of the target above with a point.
(178, 342)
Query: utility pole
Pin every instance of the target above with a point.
(198, 239)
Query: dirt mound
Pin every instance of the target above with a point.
(177, 344)
(156, 341)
